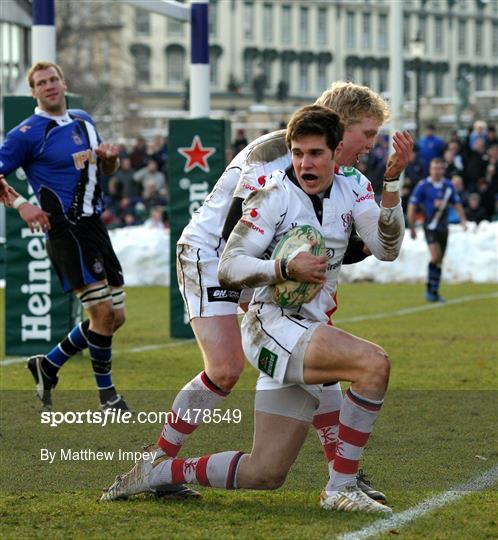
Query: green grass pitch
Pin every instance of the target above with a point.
(438, 429)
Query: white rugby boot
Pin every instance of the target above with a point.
(351, 498)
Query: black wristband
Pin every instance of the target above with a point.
(393, 179)
(283, 268)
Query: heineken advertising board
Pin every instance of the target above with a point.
(196, 160)
(37, 313)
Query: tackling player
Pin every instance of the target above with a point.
(297, 352)
(63, 157)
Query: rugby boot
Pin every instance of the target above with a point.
(44, 383)
(351, 498)
(366, 486)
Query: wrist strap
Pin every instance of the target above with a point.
(18, 201)
(391, 186)
(283, 268)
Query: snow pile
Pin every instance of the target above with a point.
(471, 256)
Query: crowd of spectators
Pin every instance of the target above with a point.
(138, 193)
(471, 165)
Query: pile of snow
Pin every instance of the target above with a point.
(471, 256)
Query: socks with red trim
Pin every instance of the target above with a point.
(356, 420)
(216, 470)
(187, 412)
(326, 420)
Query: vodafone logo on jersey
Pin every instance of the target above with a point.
(369, 187)
(262, 180)
(254, 213)
(366, 197)
(196, 155)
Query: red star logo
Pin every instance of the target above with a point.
(196, 155)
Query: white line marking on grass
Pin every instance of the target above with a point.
(359, 318)
(484, 481)
(425, 307)
(20, 359)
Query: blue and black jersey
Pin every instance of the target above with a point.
(59, 159)
(426, 193)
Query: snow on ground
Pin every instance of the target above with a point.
(471, 256)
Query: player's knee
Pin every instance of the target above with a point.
(227, 378)
(119, 319)
(378, 366)
(271, 480)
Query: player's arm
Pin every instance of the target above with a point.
(32, 215)
(410, 217)
(108, 155)
(233, 216)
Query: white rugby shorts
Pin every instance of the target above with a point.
(269, 337)
(196, 269)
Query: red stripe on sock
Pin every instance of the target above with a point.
(346, 466)
(211, 386)
(326, 419)
(329, 450)
(168, 448)
(232, 468)
(369, 406)
(201, 471)
(353, 436)
(180, 425)
(177, 476)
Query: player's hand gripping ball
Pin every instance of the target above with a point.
(292, 294)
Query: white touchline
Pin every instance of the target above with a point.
(483, 481)
(359, 318)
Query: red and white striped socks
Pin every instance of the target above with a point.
(326, 420)
(187, 412)
(216, 470)
(356, 420)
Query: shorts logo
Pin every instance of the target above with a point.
(262, 180)
(98, 267)
(217, 294)
(267, 361)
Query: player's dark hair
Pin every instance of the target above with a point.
(315, 120)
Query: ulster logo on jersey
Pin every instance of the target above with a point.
(347, 220)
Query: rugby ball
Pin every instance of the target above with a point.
(293, 294)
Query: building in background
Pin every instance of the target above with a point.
(266, 57)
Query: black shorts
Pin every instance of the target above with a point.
(82, 253)
(438, 236)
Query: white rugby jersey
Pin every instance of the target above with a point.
(206, 226)
(272, 211)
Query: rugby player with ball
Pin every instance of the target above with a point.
(294, 348)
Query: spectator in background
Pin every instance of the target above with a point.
(415, 169)
(156, 218)
(430, 146)
(152, 197)
(158, 151)
(452, 167)
(475, 164)
(458, 184)
(151, 173)
(492, 168)
(487, 197)
(475, 212)
(128, 186)
(479, 131)
(240, 142)
(138, 155)
(491, 138)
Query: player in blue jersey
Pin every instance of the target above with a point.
(434, 195)
(63, 157)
